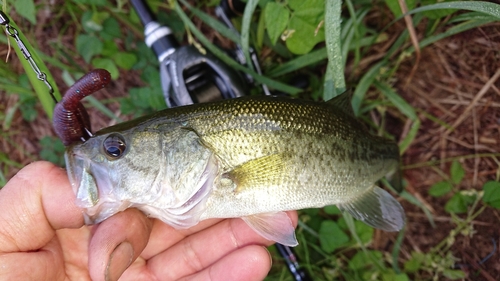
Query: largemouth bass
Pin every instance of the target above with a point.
(250, 157)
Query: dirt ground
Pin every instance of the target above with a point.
(457, 81)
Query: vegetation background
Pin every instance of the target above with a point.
(429, 80)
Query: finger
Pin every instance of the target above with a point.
(248, 263)
(204, 248)
(116, 243)
(163, 236)
(44, 264)
(36, 202)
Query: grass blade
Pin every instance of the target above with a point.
(214, 24)
(39, 86)
(229, 61)
(245, 30)
(396, 250)
(488, 8)
(406, 142)
(334, 77)
(298, 63)
(396, 99)
(364, 84)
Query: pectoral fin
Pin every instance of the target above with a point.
(377, 208)
(258, 172)
(273, 226)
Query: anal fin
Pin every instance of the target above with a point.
(377, 208)
(273, 226)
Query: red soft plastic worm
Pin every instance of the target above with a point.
(71, 120)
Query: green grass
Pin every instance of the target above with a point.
(332, 246)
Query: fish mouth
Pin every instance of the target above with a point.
(87, 182)
(98, 199)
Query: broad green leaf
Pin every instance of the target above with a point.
(331, 236)
(304, 6)
(92, 21)
(305, 23)
(457, 172)
(52, 149)
(440, 188)
(125, 60)
(28, 109)
(276, 18)
(458, 203)
(147, 98)
(393, 276)
(110, 29)
(492, 194)
(151, 76)
(26, 8)
(361, 260)
(304, 36)
(109, 48)
(415, 262)
(92, 2)
(88, 46)
(107, 64)
(453, 274)
(364, 231)
(332, 210)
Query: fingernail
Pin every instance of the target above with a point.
(119, 260)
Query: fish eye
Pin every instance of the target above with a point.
(114, 146)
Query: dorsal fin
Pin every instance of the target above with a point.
(343, 102)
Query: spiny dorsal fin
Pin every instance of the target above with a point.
(343, 102)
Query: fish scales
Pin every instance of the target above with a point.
(327, 153)
(247, 157)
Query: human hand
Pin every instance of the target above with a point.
(43, 237)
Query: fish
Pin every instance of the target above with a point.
(251, 157)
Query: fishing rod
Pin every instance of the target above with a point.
(188, 77)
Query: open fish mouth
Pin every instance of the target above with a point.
(89, 185)
(97, 196)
